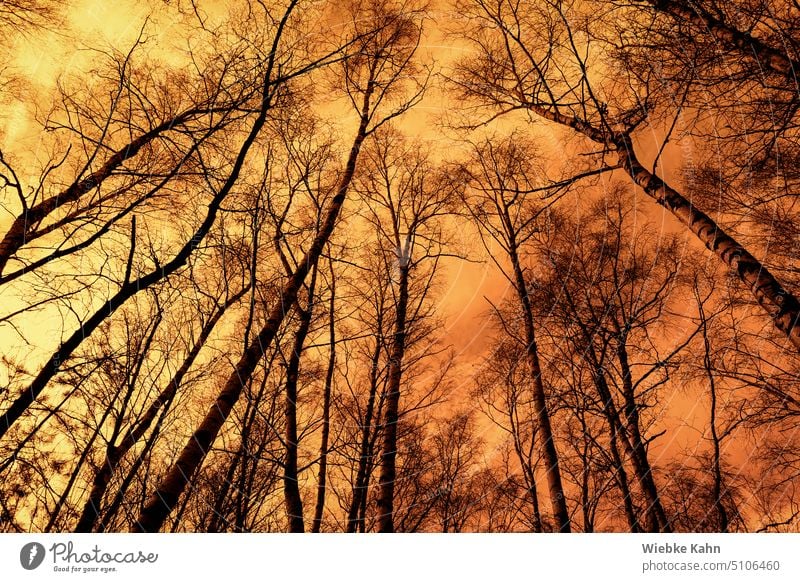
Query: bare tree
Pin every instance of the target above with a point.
(503, 387)
(116, 450)
(272, 88)
(405, 206)
(383, 57)
(496, 181)
(540, 60)
(327, 395)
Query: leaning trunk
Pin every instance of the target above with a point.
(549, 453)
(641, 463)
(781, 305)
(748, 45)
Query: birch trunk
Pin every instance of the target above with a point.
(781, 305)
(767, 57)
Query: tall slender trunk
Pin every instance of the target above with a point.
(370, 460)
(621, 477)
(161, 503)
(326, 407)
(617, 435)
(547, 441)
(613, 421)
(641, 463)
(389, 453)
(360, 486)
(588, 520)
(616, 432)
(716, 465)
(291, 487)
(218, 520)
(530, 485)
(716, 462)
(251, 453)
(526, 464)
(556, 489)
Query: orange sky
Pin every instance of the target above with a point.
(43, 57)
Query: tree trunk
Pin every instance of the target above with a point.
(617, 434)
(549, 452)
(766, 56)
(533, 494)
(354, 521)
(326, 408)
(527, 466)
(716, 461)
(621, 477)
(291, 487)
(641, 463)
(389, 454)
(781, 305)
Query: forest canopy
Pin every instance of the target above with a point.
(399, 266)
